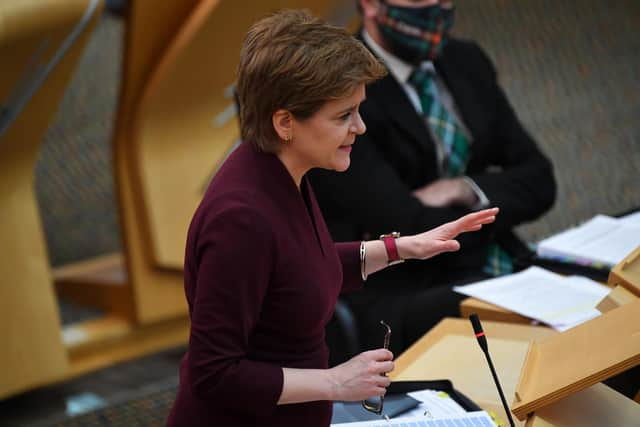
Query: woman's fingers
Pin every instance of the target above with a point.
(449, 246)
(487, 220)
(470, 221)
(379, 391)
(382, 381)
(383, 367)
(363, 376)
(474, 216)
(380, 354)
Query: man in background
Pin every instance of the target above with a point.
(441, 140)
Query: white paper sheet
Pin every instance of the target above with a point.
(602, 239)
(476, 419)
(561, 302)
(632, 218)
(434, 404)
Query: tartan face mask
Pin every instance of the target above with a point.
(415, 34)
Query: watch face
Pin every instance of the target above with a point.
(394, 234)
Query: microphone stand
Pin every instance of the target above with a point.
(482, 340)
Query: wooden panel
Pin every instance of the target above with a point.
(618, 296)
(627, 273)
(101, 282)
(104, 342)
(151, 26)
(596, 406)
(33, 36)
(432, 357)
(561, 365)
(488, 311)
(168, 46)
(450, 351)
(186, 118)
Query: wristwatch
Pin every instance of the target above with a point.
(389, 241)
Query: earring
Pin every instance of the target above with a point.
(287, 138)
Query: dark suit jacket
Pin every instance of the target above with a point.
(397, 155)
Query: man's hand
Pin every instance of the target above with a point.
(447, 192)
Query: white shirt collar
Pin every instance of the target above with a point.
(400, 69)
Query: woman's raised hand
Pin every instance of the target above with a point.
(441, 239)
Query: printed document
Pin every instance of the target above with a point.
(559, 301)
(476, 419)
(602, 240)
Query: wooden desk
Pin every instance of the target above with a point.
(488, 311)
(450, 351)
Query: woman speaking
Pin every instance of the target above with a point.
(262, 274)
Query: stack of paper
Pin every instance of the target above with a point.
(476, 419)
(559, 301)
(601, 241)
(633, 218)
(434, 403)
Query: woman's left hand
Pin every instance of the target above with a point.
(441, 239)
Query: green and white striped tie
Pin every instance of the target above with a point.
(442, 123)
(448, 132)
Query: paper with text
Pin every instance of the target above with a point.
(434, 404)
(473, 419)
(601, 240)
(559, 301)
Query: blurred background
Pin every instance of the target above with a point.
(569, 67)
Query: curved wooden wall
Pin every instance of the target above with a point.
(39, 46)
(176, 123)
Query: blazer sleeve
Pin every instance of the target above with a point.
(349, 254)
(234, 260)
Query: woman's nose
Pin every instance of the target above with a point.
(358, 127)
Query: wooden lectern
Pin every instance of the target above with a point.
(625, 280)
(561, 365)
(450, 351)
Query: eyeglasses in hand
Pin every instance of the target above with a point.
(375, 404)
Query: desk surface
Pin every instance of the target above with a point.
(450, 351)
(490, 311)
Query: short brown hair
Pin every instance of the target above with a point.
(294, 61)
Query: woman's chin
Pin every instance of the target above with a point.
(342, 165)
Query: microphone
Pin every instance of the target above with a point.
(482, 341)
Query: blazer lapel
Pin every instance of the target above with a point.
(401, 111)
(399, 108)
(474, 115)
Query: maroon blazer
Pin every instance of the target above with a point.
(262, 276)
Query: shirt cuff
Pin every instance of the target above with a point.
(483, 200)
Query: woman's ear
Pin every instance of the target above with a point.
(283, 124)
